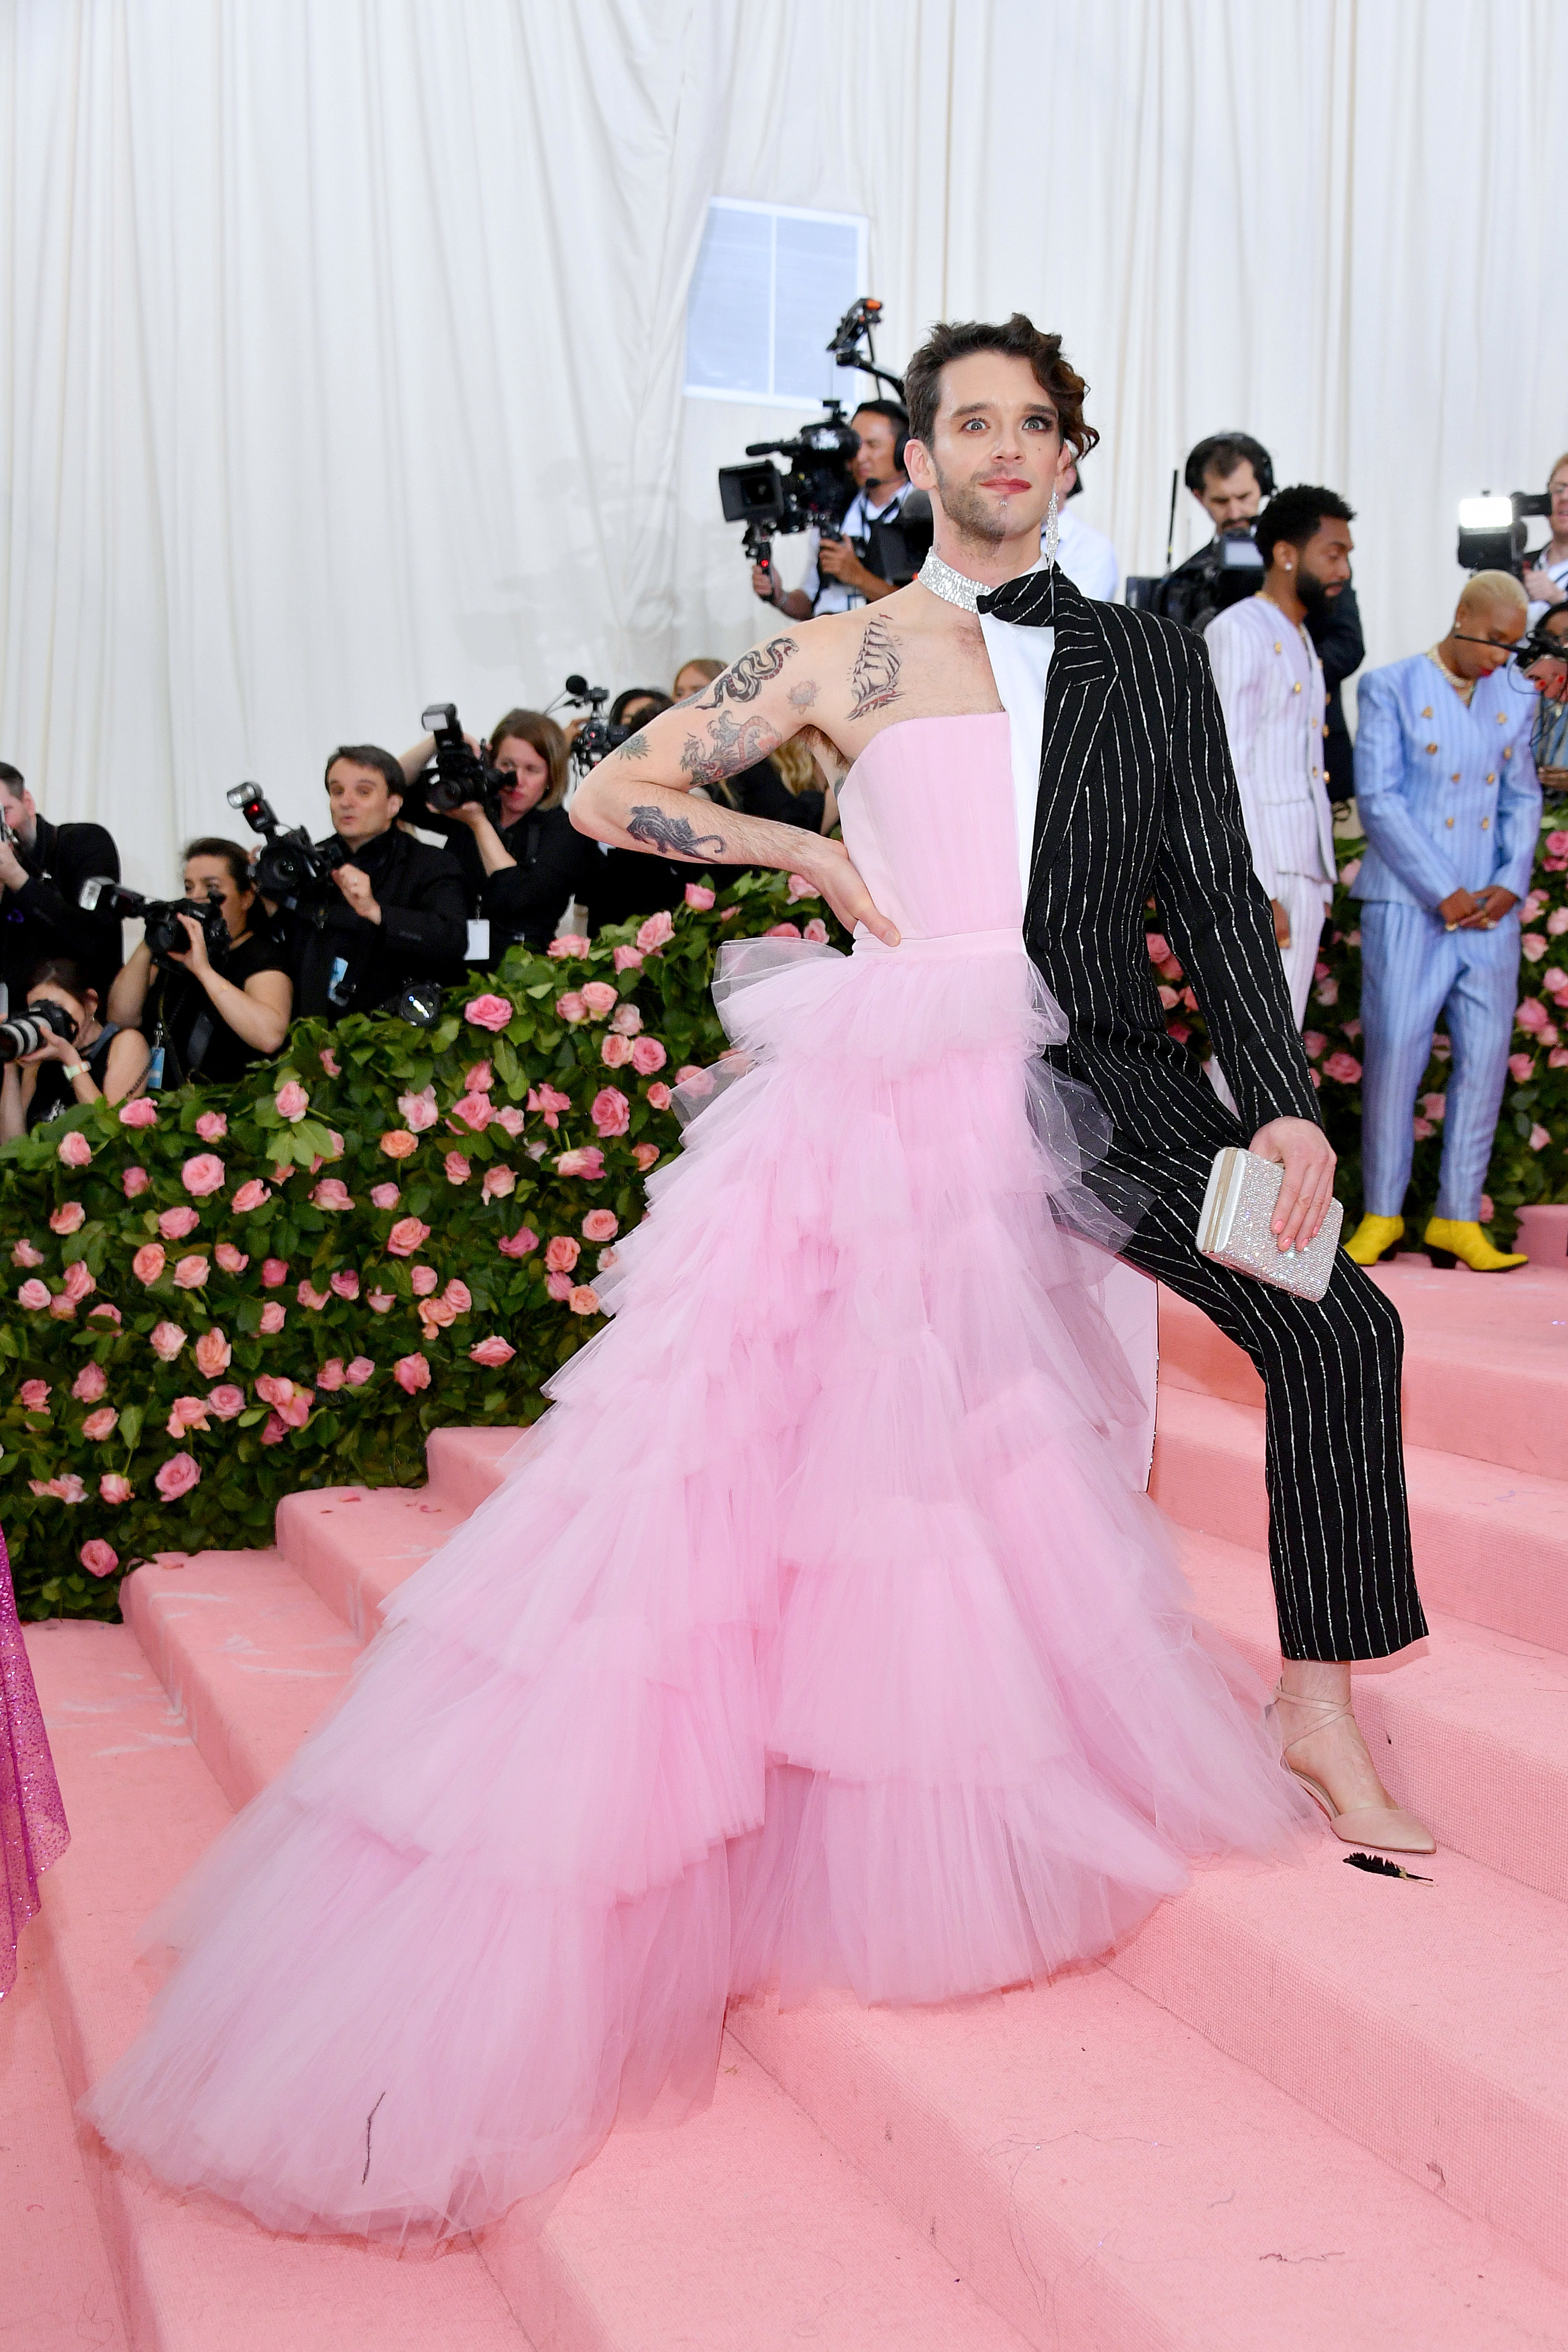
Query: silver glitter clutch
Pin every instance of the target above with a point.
(1234, 1226)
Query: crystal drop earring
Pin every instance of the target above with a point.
(1051, 531)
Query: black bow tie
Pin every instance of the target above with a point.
(1029, 602)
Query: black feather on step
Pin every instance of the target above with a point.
(1384, 1869)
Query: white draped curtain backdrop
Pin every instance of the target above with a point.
(342, 340)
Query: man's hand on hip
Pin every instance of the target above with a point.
(1307, 1156)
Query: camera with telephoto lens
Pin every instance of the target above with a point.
(597, 736)
(293, 871)
(163, 933)
(457, 775)
(26, 1032)
(1493, 532)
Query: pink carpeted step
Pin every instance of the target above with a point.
(354, 1545)
(1486, 1362)
(57, 2287)
(467, 1466)
(142, 1807)
(1491, 1544)
(1110, 2179)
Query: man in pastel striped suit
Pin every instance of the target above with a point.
(1272, 690)
(1446, 788)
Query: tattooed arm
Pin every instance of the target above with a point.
(639, 797)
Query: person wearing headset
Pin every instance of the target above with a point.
(837, 575)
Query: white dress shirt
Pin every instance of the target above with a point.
(1020, 660)
(1270, 685)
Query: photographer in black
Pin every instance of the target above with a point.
(844, 568)
(391, 912)
(78, 1058)
(221, 999)
(525, 861)
(42, 869)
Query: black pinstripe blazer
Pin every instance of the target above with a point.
(1138, 800)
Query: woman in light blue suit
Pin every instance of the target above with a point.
(1447, 794)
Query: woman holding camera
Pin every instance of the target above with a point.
(519, 874)
(216, 1007)
(81, 1060)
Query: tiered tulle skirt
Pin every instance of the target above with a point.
(816, 1641)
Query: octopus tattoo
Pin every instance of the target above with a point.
(874, 679)
(673, 835)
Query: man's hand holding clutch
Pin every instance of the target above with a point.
(1306, 1156)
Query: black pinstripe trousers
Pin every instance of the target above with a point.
(1339, 1526)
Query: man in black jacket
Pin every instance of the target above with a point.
(399, 914)
(42, 869)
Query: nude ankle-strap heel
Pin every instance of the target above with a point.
(1388, 1829)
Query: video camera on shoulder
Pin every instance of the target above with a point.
(458, 775)
(163, 933)
(293, 871)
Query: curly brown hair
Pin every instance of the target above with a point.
(1020, 339)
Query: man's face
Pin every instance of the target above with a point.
(1229, 498)
(19, 812)
(1484, 630)
(1557, 491)
(1323, 566)
(360, 801)
(873, 461)
(996, 451)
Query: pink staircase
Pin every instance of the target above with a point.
(1304, 2107)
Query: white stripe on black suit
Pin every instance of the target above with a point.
(1137, 800)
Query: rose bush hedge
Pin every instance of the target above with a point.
(217, 1297)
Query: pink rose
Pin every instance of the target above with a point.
(1557, 845)
(645, 1154)
(625, 1020)
(1533, 904)
(274, 1273)
(88, 1385)
(698, 896)
(1435, 1106)
(175, 1224)
(435, 1314)
(186, 1414)
(689, 1070)
(782, 931)
(656, 932)
(479, 1079)
(588, 1162)
(233, 1261)
(510, 1117)
(397, 1143)
(148, 1262)
(331, 1192)
(570, 943)
(74, 1151)
(497, 1183)
(1423, 1129)
(275, 1429)
(98, 1559)
(1313, 1043)
(360, 1370)
(177, 1476)
(24, 1254)
(490, 1013)
(457, 1296)
(1556, 922)
(63, 1307)
(100, 1425)
(659, 1097)
(330, 1063)
(331, 1374)
(67, 1488)
(1534, 946)
(34, 1395)
(816, 931)
(493, 1353)
(1539, 1138)
(1169, 998)
(1558, 1058)
(1554, 980)
(1531, 1014)
(250, 1195)
(628, 959)
(647, 1055)
(458, 1170)
(408, 1236)
(560, 1254)
(292, 1101)
(614, 1051)
(109, 1314)
(202, 1174)
(68, 1218)
(308, 1296)
(1343, 1068)
(1548, 1036)
(214, 1354)
(384, 1196)
(412, 1373)
(419, 1110)
(115, 1489)
(549, 1102)
(1519, 1067)
(167, 1340)
(192, 1272)
(141, 1111)
(607, 1258)
(212, 1127)
(476, 1111)
(134, 1181)
(273, 1318)
(227, 1401)
(598, 1225)
(518, 1244)
(426, 1281)
(1349, 871)
(381, 1302)
(559, 1285)
(571, 1008)
(610, 1111)
(600, 998)
(290, 1402)
(346, 1283)
(799, 887)
(584, 1301)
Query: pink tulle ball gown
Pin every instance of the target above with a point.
(817, 1639)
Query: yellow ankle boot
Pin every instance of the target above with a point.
(1447, 1238)
(1372, 1238)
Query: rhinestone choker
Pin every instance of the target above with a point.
(952, 587)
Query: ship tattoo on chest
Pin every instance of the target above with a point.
(874, 678)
